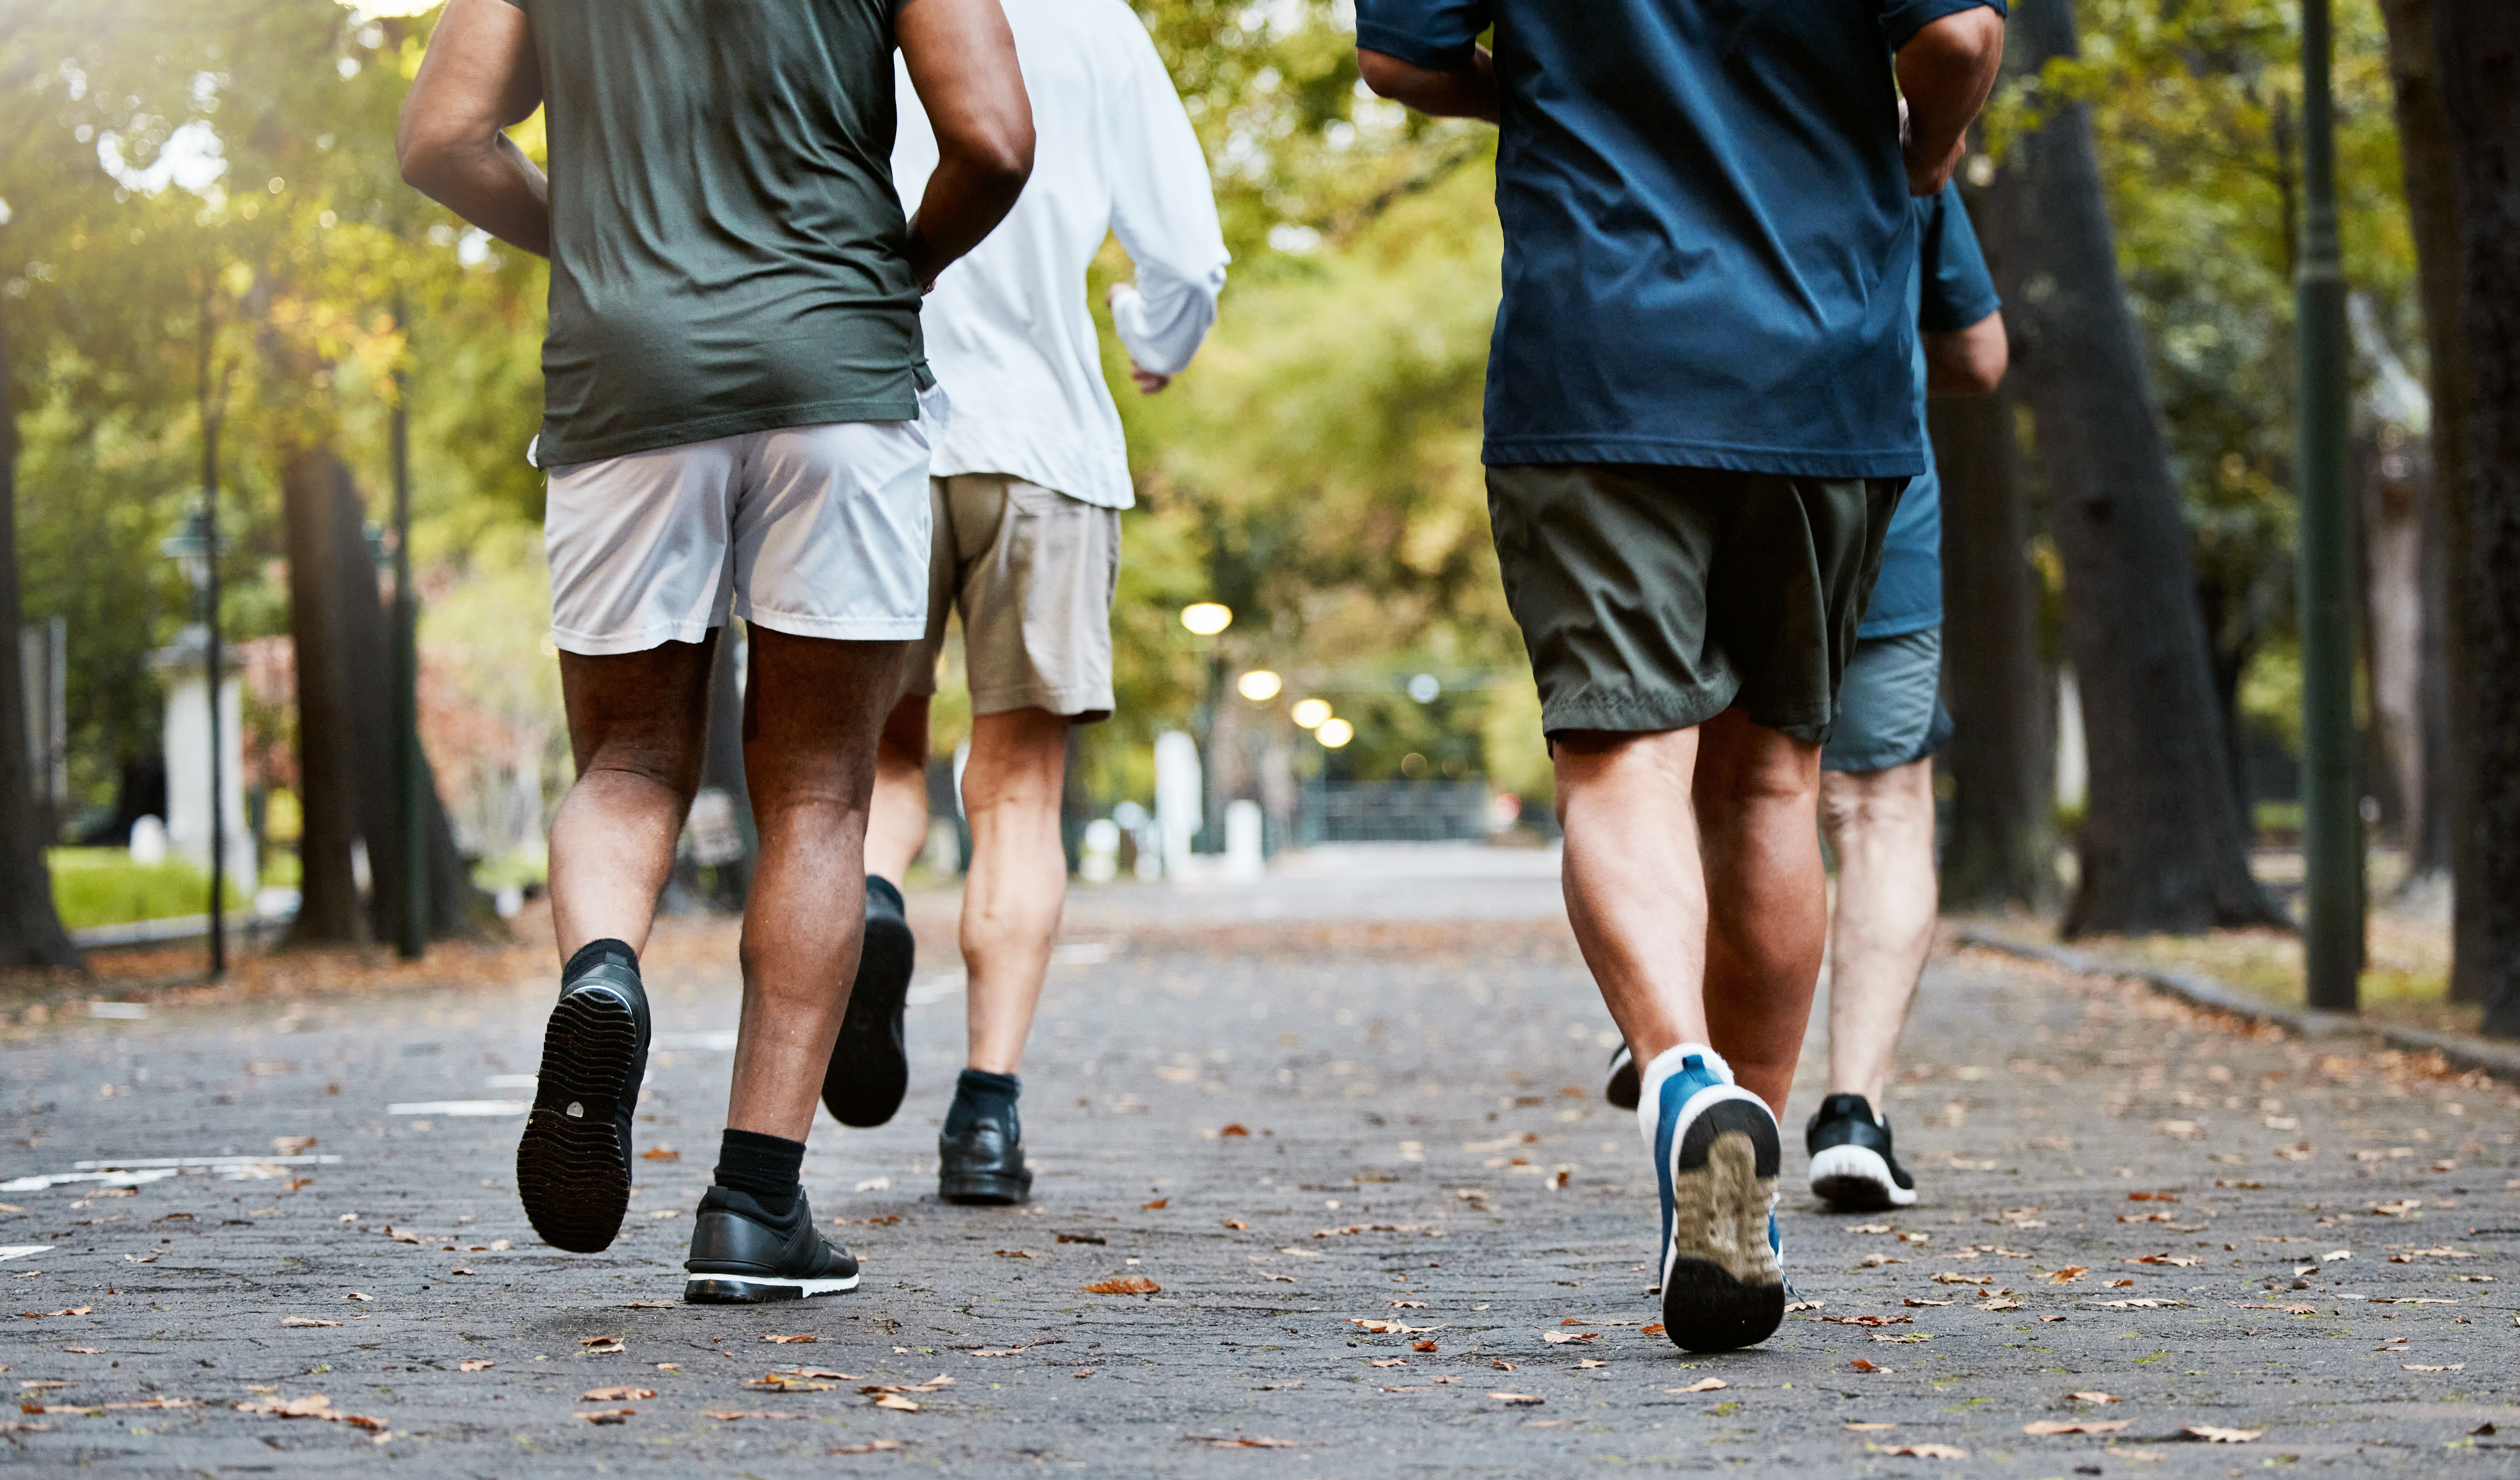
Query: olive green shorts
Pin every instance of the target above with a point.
(1657, 598)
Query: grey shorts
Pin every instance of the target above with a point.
(1656, 598)
(1032, 572)
(1890, 708)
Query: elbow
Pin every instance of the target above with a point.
(1969, 41)
(1388, 77)
(421, 154)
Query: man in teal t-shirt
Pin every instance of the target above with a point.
(738, 420)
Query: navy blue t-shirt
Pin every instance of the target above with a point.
(1707, 234)
(1951, 290)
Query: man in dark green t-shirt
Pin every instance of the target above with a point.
(738, 417)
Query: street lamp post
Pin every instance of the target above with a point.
(411, 936)
(1207, 620)
(2331, 812)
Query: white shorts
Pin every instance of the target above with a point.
(813, 531)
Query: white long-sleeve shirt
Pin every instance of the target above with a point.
(1009, 330)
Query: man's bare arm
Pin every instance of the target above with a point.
(1946, 72)
(961, 60)
(1470, 92)
(1968, 362)
(479, 78)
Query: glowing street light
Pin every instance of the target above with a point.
(1260, 685)
(1334, 733)
(1312, 713)
(1206, 618)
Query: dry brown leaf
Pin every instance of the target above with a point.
(1083, 1372)
(2093, 1398)
(475, 1364)
(305, 1320)
(661, 1154)
(1388, 1361)
(728, 1415)
(1589, 1362)
(1503, 1365)
(1407, 1305)
(2212, 1435)
(1862, 1366)
(2408, 1366)
(2003, 1305)
(616, 1394)
(1954, 1277)
(1239, 1442)
(1556, 1338)
(1422, 1346)
(1654, 1327)
(789, 1340)
(871, 1447)
(2077, 1426)
(1519, 1400)
(895, 1402)
(1870, 1320)
(458, 1269)
(1701, 1385)
(600, 1346)
(1236, 1223)
(1124, 1285)
(1926, 1451)
(609, 1416)
(1869, 1428)
(1913, 1301)
(2068, 1273)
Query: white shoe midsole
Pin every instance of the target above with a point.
(803, 1288)
(1852, 1163)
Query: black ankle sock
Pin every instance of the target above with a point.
(881, 898)
(596, 953)
(978, 1095)
(766, 1166)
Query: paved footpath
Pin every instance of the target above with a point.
(1346, 1126)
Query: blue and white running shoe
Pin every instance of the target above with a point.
(1717, 1151)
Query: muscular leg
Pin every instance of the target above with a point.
(635, 724)
(1881, 826)
(1017, 886)
(897, 827)
(1636, 891)
(1767, 916)
(811, 711)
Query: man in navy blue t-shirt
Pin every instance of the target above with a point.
(1876, 790)
(1699, 417)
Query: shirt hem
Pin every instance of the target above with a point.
(1898, 626)
(1877, 462)
(556, 451)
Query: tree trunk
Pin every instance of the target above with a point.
(2163, 847)
(30, 928)
(2477, 45)
(2002, 846)
(320, 511)
(2391, 545)
(2443, 840)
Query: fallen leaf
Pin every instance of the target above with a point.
(1124, 1285)
(1954, 1277)
(301, 1321)
(401, 1235)
(661, 1154)
(1701, 1385)
(1804, 1305)
(2454, 1366)
(2068, 1273)
(1519, 1400)
(1084, 1371)
(871, 1447)
(1407, 1305)
(611, 1416)
(1654, 1329)
(789, 1340)
(2009, 1305)
(1082, 1238)
(2077, 1426)
(1869, 1428)
(1870, 1320)
(1388, 1361)
(1236, 1130)
(1231, 1223)
(600, 1346)
(1503, 1366)
(1160, 1202)
(1421, 1346)
(1590, 1362)
(1862, 1366)
(1239, 1442)
(651, 1305)
(354, 1295)
(2093, 1398)
(1903, 1338)
(1926, 1451)
(616, 1394)
(458, 1269)
(148, 1258)
(1913, 1301)
(2212, 1435)
(896, 1402)
(728, 1415)
(1556, 1338)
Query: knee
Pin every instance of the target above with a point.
(649, 761)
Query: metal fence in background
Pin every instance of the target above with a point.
(1394, 812)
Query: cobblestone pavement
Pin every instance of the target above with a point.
(1347, 1124)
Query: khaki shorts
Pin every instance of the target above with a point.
(1657, 598)
(1032, 572)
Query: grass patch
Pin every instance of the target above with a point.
(103, 886)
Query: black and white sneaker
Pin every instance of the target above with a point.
(740, 1255)
(870, 1068)
(1851, 1165)
(574, 1161)
(1622, 1090)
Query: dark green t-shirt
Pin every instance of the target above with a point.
(727, 247)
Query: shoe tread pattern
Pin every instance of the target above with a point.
(573, 1171)
(1722, 1287)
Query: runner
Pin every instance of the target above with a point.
(1876, 786)
(736, 412)
(1700, 418)
(1029, 488)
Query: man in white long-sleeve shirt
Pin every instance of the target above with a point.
(1028, 483)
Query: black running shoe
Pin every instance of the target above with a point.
(869, 1069)
(985, 1164)
(574, 1161)
(740, 1255)
(1622, 1089)
(1852, 1169)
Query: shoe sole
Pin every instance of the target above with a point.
(573, 1171)
(985, 1188)
(1722, 1286)
(869, 1069)
(746, 1289)
(1857, 1180)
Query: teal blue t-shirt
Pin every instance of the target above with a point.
(1707, 233)
(1952, 291)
